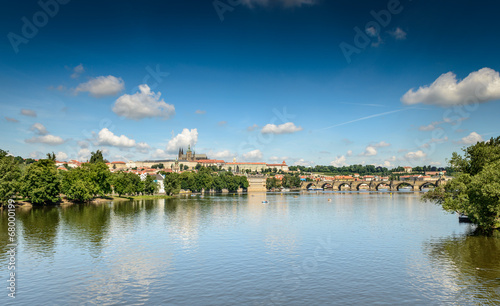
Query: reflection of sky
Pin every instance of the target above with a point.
(235, 249)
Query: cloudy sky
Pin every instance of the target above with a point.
(309, 81)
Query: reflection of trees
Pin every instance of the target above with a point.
(39, 228)
(475, 261)
(87, 223)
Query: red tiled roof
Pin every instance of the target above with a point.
(245, 163)
(211, 161)
(118, 162)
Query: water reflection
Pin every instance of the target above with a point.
(39, 227)
(86, 225)
(470, 265)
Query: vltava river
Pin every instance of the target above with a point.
(299, 249)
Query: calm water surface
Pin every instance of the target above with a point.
(300, 249)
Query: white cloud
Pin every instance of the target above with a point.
(61, 156)
(107, 138)
(278, 159)
(223, 155)
(102, 86)
(381, 144)
(36, 154)
(435, 163)
(11, 119)
(200, 112)
(371, 31)
(415, 155)
(285, 128)
(161, 154)
(84, 155)
(471, 139)
(143, 104)
(398, 34)
(303, 162)
(253, 155)
(28, 112)
(479, 86)
(39, 129)
(222, 123)
(252, 128)
(285, 3)
(339, 161)
(83, 144)
(46, 139)
(182, 140)
(143, 147)
(369, 151)
(349, 153)
(432, 126)
(77, 71)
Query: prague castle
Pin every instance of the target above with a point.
(190, 156)
(190, 160)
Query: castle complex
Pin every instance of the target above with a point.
(190, 156)
(189, 160)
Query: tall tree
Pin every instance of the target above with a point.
(40, 183)
(10, 174)
(475, 191)
(96, 157)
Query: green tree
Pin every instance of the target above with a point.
(172, 183)
(10, 174)
(475, 191)
(150, 186)
(51, 156)
(96, 157)
(77, 184)
(40, 183)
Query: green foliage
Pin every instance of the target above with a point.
(158, 166)
(127, 183)
(40, 183)
(10, 174)
(172, 183)
(475, 192)
(150, 186)
(77, 184)
(96, 157)
(51, 156)
(87, 181)
(272, 183)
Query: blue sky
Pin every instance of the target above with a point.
(309, 81)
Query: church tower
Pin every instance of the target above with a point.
(189, 154)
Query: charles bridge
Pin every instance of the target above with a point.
(416, 185)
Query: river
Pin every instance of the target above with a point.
(299, 249)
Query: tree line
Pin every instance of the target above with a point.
(39, 182)
(367, 169)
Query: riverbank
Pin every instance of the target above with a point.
(98, 200)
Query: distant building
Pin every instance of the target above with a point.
(190, 155)
(408, 169)
(283, 166)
